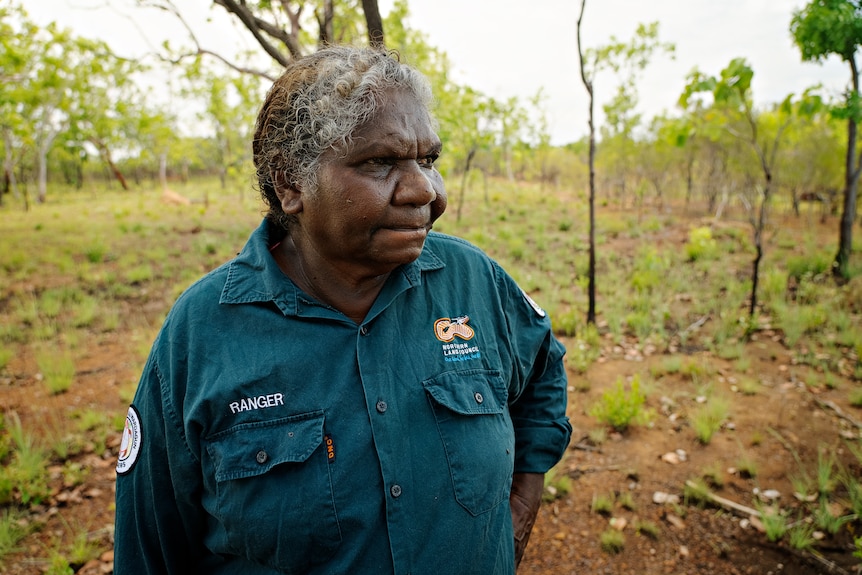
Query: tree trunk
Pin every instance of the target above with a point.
(755, 268)
(467, 165)
(841, 266)
(163, 171)
(9, 165)
(689, 177)
(42, 161)
(588, 84)
(324, 24)
(106, 156)
(6, 182)
(374, 24)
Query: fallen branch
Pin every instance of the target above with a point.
(578, 471)
(727, 503)
(808, 556)
(838, 411)
(818, 560)
(695, 325)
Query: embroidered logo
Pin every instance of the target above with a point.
(259, 402)
(130, 447)
(447, 329)
(330, 448)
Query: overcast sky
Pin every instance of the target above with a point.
(512, 48)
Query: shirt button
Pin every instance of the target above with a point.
(395, 490)
(363, 330)
(478, 397)
(261, 456)
(381, 406)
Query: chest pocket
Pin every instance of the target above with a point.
(477, 434)
(274, 491)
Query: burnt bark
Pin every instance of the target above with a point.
(841, 265)
(588, 84)
(374, 24)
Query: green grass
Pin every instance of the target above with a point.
(57, 368)
(118, 260)
(801, 536)
(622, 406)
(602, 504)
(774, 522)
(646, 527)
(11, 532)
(27, 474)
(612, 541)
(708, 418)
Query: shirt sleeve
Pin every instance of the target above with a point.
(158, 522)
(538, 384)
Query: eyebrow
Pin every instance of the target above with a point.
(393, 145)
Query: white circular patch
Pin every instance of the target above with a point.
(130, 447)
(539, 311)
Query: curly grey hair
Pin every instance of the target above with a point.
(316, 105)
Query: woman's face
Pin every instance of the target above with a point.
(377, 200)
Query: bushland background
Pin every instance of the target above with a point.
(710, 301)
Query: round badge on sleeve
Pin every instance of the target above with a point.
(539, 311)
(130, 447)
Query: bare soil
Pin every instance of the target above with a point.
(784, 420)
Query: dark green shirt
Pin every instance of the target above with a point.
(272, 434)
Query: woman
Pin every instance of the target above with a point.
(353, 393)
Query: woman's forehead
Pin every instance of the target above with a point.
(401, 117)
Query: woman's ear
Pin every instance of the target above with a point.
(288, 194)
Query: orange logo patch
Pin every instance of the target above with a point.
(447, 328)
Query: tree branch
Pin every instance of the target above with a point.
(168, 6)
(255, 25)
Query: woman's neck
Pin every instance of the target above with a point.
(351, 296)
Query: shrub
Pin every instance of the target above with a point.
(619, 407)
(708, 418)
(58, 369)
(812, 264)
(602, 504)
(774, 522)
(701, 245)
(612, 541)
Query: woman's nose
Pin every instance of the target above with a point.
(414, 186)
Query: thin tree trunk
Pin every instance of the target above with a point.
(163, 171)
(840, 268)
(324, 22)
(9, 165)
(588, 84)
(42, 161)
(467, 165)
(374, 23)
(689, 176)
(106, 156)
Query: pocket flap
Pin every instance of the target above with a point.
(469, 392)
(254, 448)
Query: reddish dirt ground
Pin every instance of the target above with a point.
(784, 420)
(691, 539)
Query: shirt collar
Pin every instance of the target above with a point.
(253, 276)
